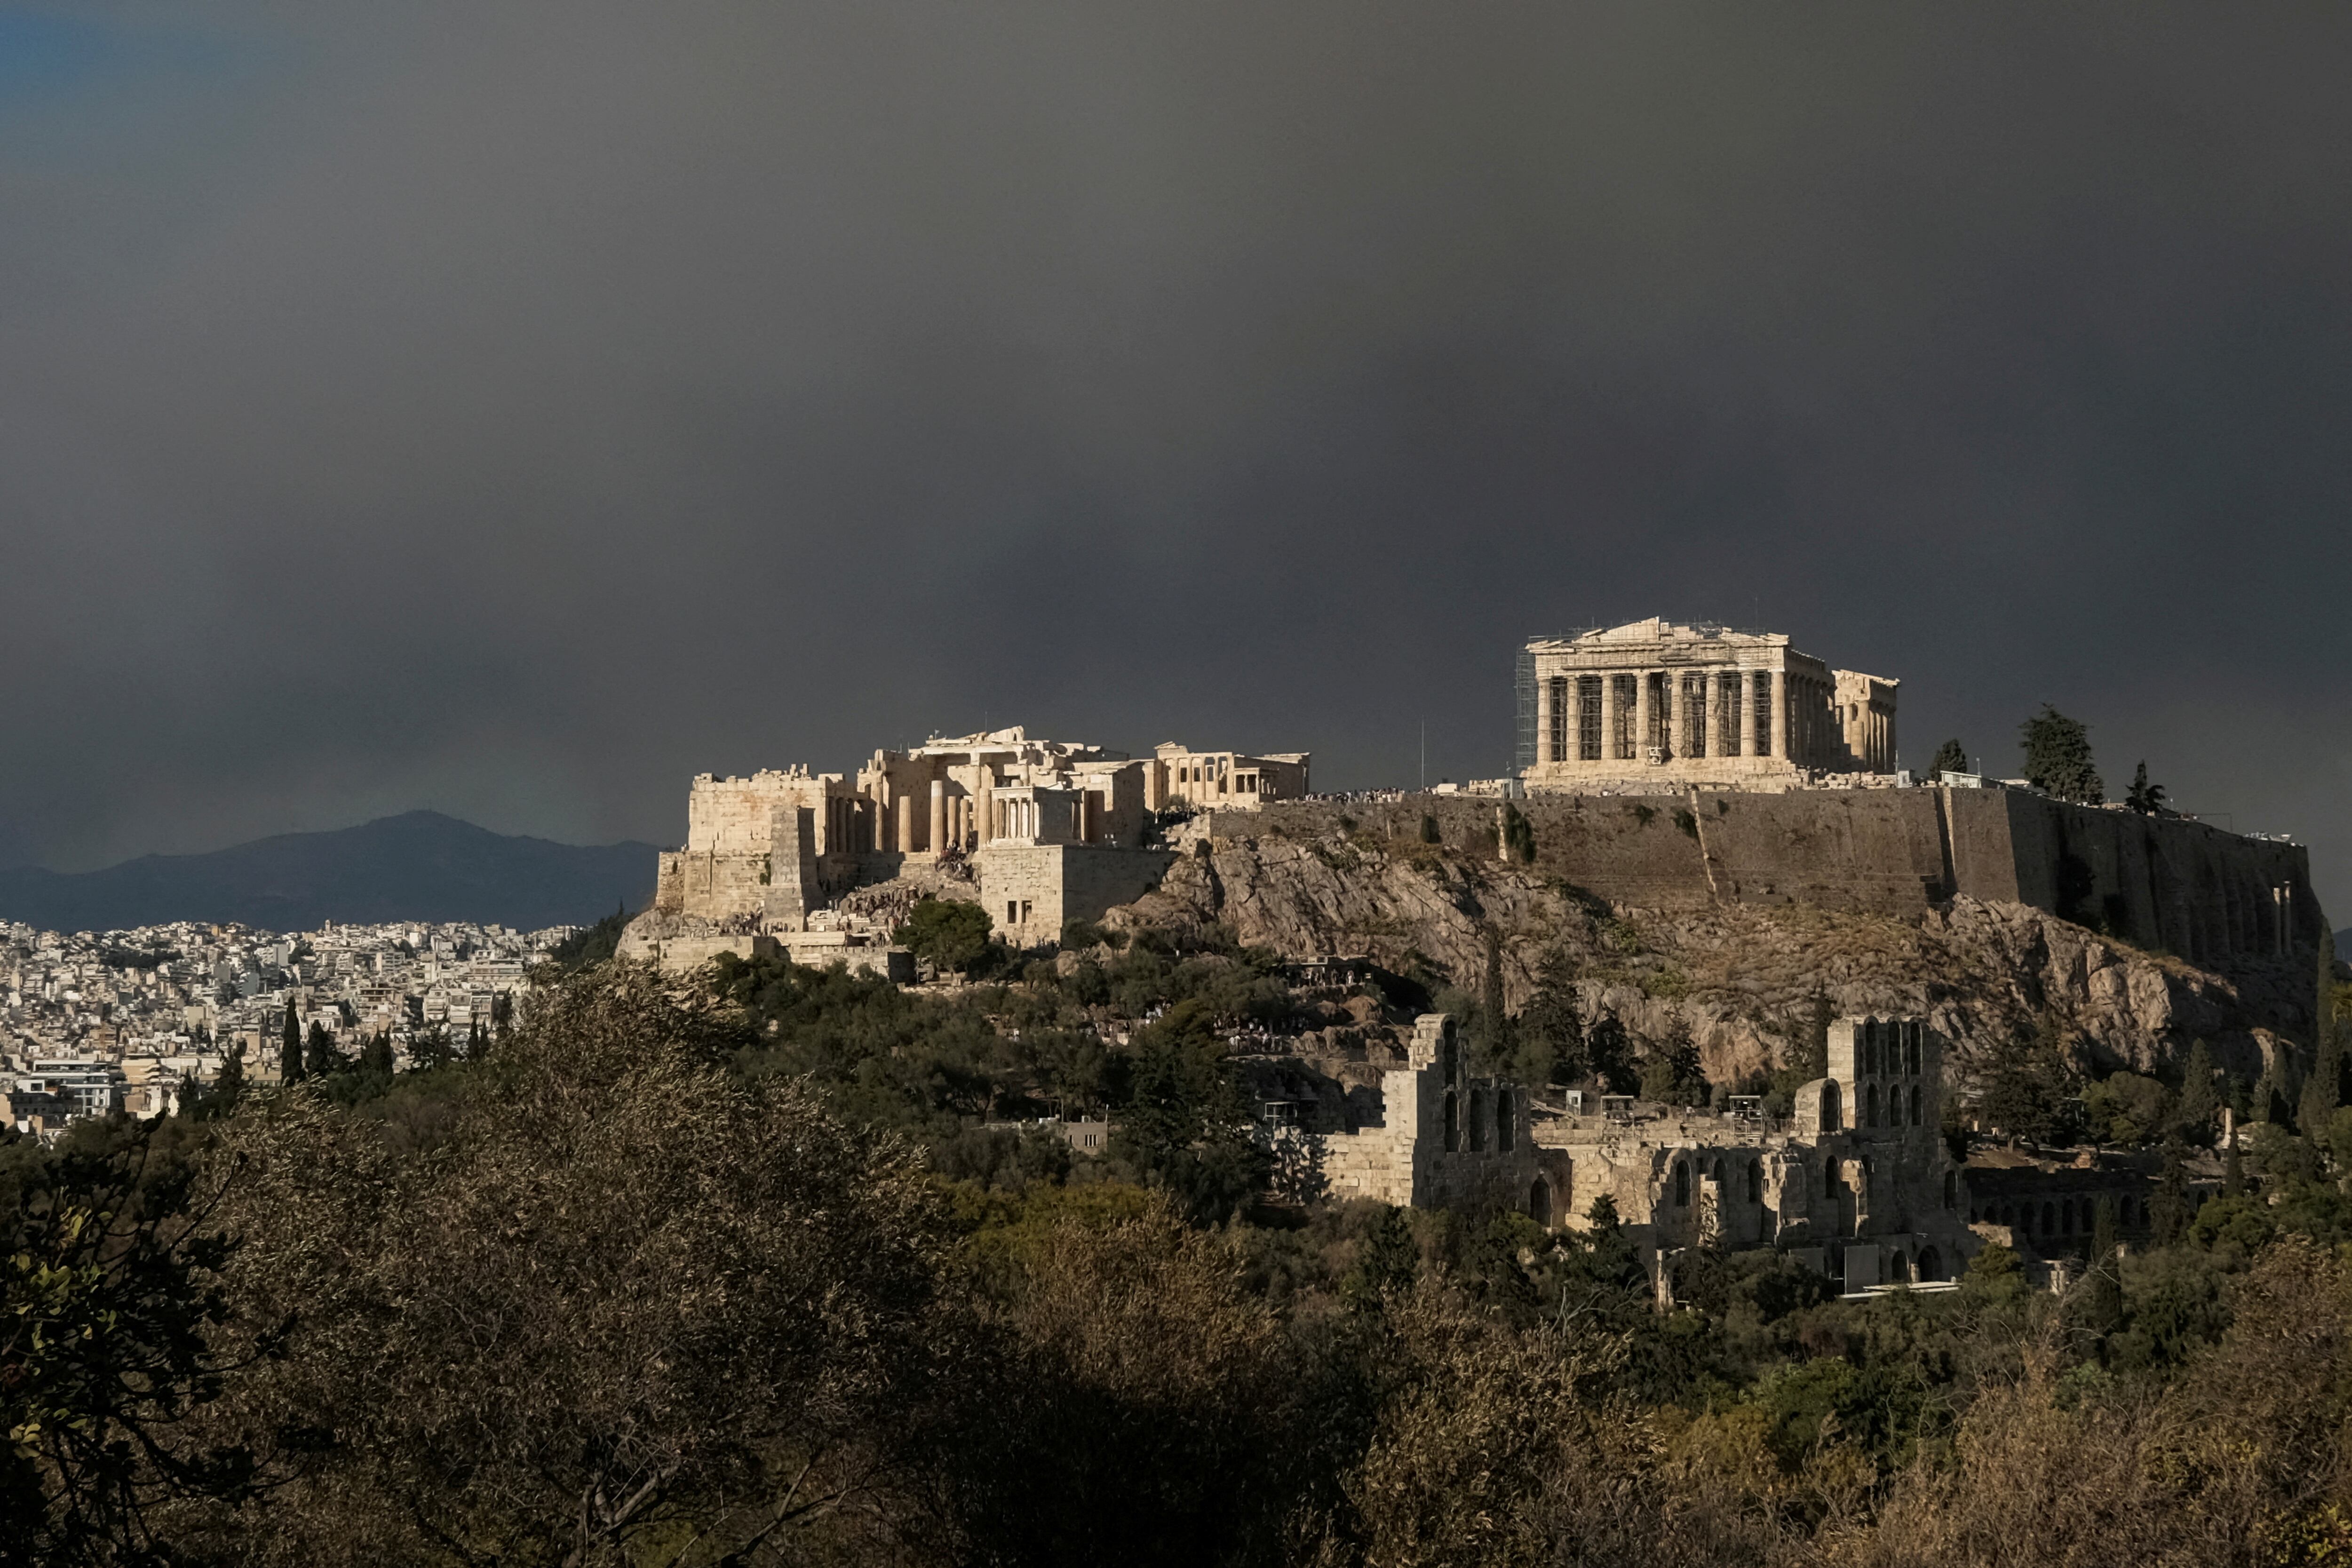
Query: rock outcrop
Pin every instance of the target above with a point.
(1744, 978)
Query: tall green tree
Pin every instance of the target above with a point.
(2103, 1288)
(1552, 1025)
(220, 1099)
(2144, 797)
(2058, 757)
(289, 1061)
(2323, 1090)
(2026, 1079)
(1951, 757)
(2167, 1208)
(2199, 1100)
(320, 1056)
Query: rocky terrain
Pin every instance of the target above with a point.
(1743, 977)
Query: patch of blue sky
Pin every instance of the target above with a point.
(76, 74)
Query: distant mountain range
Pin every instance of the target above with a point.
(419, 867)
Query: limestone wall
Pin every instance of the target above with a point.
(2159, 882)
(1032, 890)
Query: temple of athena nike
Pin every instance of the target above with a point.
(1653, 702)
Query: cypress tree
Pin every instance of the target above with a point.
(2193, 1113)
(1951, 757)
(377, 1058)
(289, 1061)
(2168, 1209)
(320, 1056)
(2234, 1172)
(2320, 1090)
(2103, 1301)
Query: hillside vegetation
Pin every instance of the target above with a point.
(730, 1273)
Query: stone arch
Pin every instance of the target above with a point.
(1682, 1183)
(1755, 1182)
(1832, 1112)
(1450, 1058)
(1503, 1119)
(1916, 1030)
(1452, 1121)
(1721, 1187)
(1952, 1191)
(1930, 1265)
(1870, 1106)
(1915, 1105)
(1478, 1121)
(2009, 1217)
(1539, 1202)
(1831, 1186)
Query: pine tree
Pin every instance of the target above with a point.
(2194, 1113)
(289, 1062)
(1951, 757)
(2144, 797)
(2058, 757)
(376, 1056)
(2025, 1080)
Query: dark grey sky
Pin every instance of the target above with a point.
(518, 408)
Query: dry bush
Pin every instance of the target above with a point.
(1499, 1446)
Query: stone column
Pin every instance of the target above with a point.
(939, 815)
(1677, 714)
(1746, 689)
(1641, 712)
(1779, 712)
(903, 814)
(1544, 747)
(1607, 716)
(984, 813)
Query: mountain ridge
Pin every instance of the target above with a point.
(417, 866)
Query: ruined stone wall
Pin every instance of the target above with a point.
(2159, 882)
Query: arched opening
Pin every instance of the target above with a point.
(1450, 1060)
(1477, 1120)
(1755, 1183)
(1539, 1202)
(1915, 1032)
(1915, 1105)
(2123, 1211)
(1718, 1176)
(1952, 1193)
(1832, 1112)
(2046, 1218)
(1930, 1265)
(1502, 1109)
(1870, 1106)
(1831, 1185)
(1452, 1123)
(1681, 1184)
(2009, 1217)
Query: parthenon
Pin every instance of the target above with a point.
(1653, 702)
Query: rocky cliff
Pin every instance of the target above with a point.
(1744, 977)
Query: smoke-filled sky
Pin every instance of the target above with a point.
(518, 408)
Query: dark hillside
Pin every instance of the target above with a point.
(421, 866)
